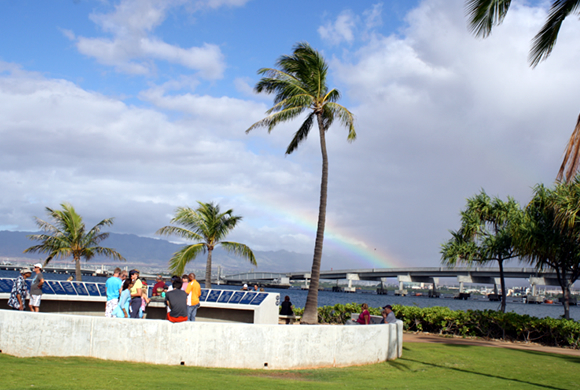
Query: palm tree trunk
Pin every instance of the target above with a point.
(503, 289)
(566, 291)
(208, 269)
(310, 315)
(79, 276)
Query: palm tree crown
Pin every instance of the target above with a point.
(208, 226)
(67, 236)
(485, 235)
(299, 87)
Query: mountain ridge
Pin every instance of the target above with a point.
(153, 252)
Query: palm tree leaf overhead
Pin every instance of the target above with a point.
(299, 86)
(545, 40)
(483, 15)
(208, 227)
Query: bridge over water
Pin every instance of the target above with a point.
(478, 275)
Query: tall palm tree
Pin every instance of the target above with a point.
(486, 235)
(208, 226)
(66, 236)
(299, 86)
(549, 236)
(484, 14)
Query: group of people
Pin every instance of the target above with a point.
(127, 296)
(364, 317)
(19, 292)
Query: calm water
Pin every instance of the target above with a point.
(298, 298)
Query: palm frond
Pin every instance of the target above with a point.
(301, 134)
(185, 255)
(484, 14)
(240, 250)
(274, 119)
(544, 41)
(108, 252)
(345, 116)
(180, 232)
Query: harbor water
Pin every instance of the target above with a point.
(329, 298)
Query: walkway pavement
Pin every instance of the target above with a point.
(433, 338)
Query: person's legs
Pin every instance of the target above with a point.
(35, 303)
(111, 305)
(192, 312)
(135, 306)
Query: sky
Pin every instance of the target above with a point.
(131, 108)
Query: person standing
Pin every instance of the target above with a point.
(136, 293)
(112, 287)
(193, 292)
(36, 288)
(176, 301)
(19, 290)
(122, 309)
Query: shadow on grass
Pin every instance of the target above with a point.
(401, 366)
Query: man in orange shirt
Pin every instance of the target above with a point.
(193, 292)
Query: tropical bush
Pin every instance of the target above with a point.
(488, 324)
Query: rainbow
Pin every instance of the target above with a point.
(335, 238)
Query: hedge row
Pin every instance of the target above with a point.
(488, 324)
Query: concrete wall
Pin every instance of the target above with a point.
(26, 334)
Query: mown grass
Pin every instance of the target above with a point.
(423, 366)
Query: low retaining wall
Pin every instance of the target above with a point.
(27, 334)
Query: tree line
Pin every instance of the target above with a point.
(545, 234)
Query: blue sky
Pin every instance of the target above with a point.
(130, 108)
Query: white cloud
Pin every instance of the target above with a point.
(342, 30)
(133, 48)
(110, 159)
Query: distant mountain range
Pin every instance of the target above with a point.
(157, 252)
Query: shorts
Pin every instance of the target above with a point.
(111, 305)
(35, 300)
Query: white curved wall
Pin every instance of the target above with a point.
(255, 346)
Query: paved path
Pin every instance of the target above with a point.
(432, 338)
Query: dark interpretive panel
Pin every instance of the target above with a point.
(213, 295)
(46, 289)
(6, 285)
(102, 289)
(56, 287)
(238, 295)
(248, 298)
(225, 297)
(80, 287)
(203, 295)
(259, 299)
(92, 289)
(68, 288)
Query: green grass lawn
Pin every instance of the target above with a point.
(423, 366)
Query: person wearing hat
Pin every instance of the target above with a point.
(19, 290)
(388, 315)
(136, 293)
(36, 288)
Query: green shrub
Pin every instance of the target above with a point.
(488, 324)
